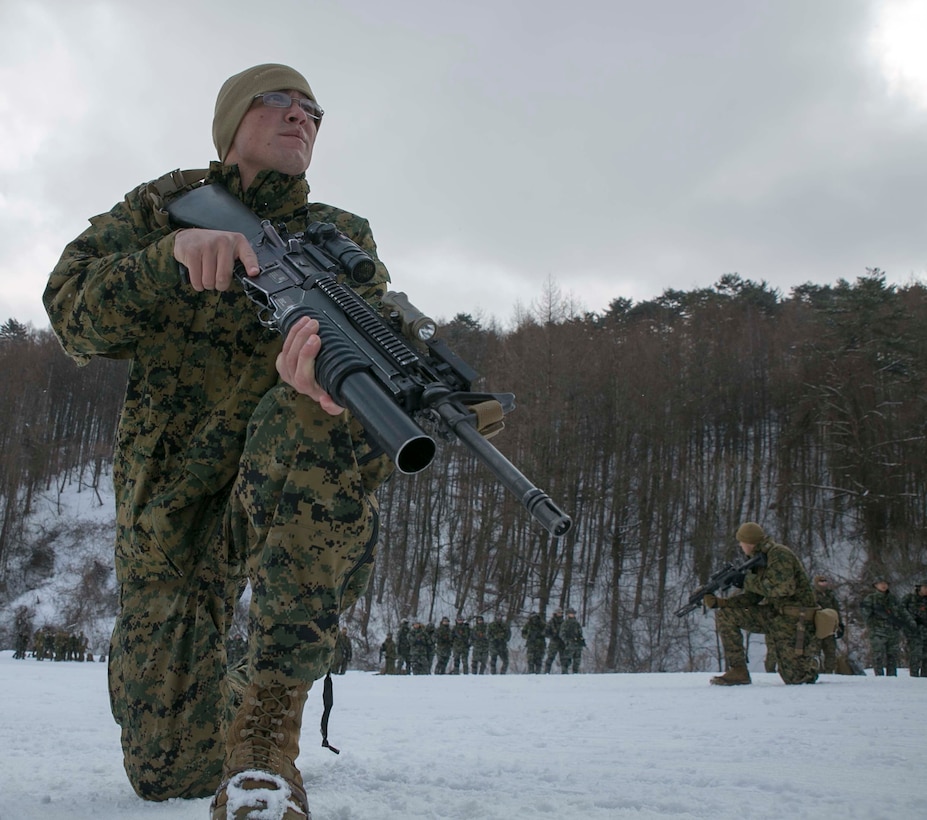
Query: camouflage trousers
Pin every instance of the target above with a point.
(781, 631)
(300, 522)
(555, 648)
(884, 649)
(917, 653)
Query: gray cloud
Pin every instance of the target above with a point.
(621, 148)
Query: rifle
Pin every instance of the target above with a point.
(367, 362)
(728, 576)
(899, 623)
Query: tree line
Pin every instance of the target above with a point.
(659, 426)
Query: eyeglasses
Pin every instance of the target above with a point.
(280, 99)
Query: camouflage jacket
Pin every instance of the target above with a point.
(883, 613)
(200, 362)
(499, 633)
(552, 630)
(827, 599)
(461, 637)
(479, 635)
(443, 638)
(916, 606)
(533, 631)
(571, 633)
(782, 582)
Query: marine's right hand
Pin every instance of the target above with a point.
(210, 256)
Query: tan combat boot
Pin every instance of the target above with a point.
(735, 676)
(260, 778)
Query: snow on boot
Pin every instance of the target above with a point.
(260, 778)
(735, 676)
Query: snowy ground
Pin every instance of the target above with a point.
(518, 746)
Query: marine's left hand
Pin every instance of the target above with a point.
(296, 363)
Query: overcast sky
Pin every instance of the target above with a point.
(616, 148)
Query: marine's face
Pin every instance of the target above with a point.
(275, 139)
(746, 547)
(882, 586)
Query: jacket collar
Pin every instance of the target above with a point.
(271, 195)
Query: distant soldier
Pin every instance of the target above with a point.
(38, 644)
(430, 632)
(388, 651)
(81, 644)
(885, 618)
(418, 650)
(343, 652)
(554, 641)
(827, 599)
(535, 643)
(499, 636)
(479, 636)
(444, 640)
(22, 626)
(571, 633)
(915, 603)
(460, 645)
(403, 647)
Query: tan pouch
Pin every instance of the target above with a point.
(825, 623)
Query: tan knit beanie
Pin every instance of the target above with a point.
(238, 92)
(750, 533)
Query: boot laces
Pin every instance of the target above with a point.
(264, 731)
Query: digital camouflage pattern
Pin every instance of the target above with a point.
(554, 641)
(535, 642)
(571, 634)
(782, 583)
(460, 646)
(419, 650)
(479, 635)
(443, 643)
(885, 618)
(221, 473)
(499, 636)
(916, 606)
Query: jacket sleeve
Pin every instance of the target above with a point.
(779, 579)
(108, 280)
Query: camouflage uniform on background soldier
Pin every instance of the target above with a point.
(479, 636)
(22, 626)
(443, 643)
(778, 602)
(533, 633)
(499, 636)
(343, 652)
(403, 647)
(231, 464)
(430, 632)
(915, 603)
(388, 651)
(571, 633)
(885, 618)
(827, 599)
(554, 641)
(460, 645)
(419, 650)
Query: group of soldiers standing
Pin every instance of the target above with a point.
(887, 618)
(49, 643)
(558, 636)
(424, 649)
